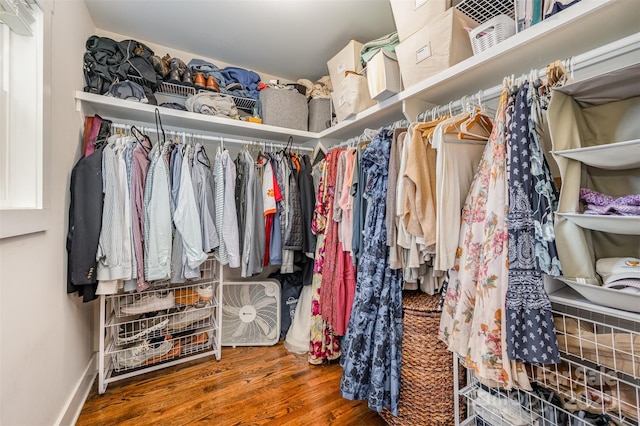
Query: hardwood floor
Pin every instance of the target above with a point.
(248, 386)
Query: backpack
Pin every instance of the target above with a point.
(107, 61)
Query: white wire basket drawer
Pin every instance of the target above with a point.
(155, 351)
(492, 32)
(165, 323)
(609, 342)
(539, 407)
(164, 299)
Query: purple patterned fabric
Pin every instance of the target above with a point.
(597, 203)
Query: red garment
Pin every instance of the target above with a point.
(343, 291)
(329, 273)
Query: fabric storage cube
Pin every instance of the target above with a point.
(319, 114)
(411, 15)
(348, 59)
(352, 96)
(383, 75)
(284, 108)
(442, 43)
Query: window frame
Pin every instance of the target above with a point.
(16, 221)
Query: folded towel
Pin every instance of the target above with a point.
(212, 104)
(387, 42)
(597, 203)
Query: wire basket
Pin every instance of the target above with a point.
(492, 32)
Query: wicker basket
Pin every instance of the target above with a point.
(492, 32)
(426, 391)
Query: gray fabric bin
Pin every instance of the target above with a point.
(319, 114)
(284, 108)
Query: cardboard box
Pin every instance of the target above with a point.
(411, 15)
(351, 97)
(383, 75)
(348, 59)
(442, 43)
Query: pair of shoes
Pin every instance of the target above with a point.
(179, 73)
(199, 80)
(205, 291)
(175, 352)
(148, 302)
(148, 325)
(186, 296)
(136, 355)
(212, 84)
(209, 83)
(196, 343)
(185, 317)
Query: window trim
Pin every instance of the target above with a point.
(23, 221)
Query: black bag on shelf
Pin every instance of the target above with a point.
(107, 61)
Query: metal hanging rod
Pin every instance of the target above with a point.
(221, 139)
(572, 64)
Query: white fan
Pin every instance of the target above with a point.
(251, 313)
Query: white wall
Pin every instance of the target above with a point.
(46, 336)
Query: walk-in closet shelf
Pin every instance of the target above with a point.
(580, 28)
(165, 325)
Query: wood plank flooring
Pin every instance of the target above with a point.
(248, 386)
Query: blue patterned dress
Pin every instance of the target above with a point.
(371, 355)
(530, 328)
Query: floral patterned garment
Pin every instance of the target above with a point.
(372, 347)
(472, 319)
(324, 344)
(530, 328)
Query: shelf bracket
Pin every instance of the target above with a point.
(412, 107)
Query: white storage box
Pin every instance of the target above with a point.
(492, 32)
(442, 43)
(411, 15)
(383, 75)
(351, 97)
(348, 59)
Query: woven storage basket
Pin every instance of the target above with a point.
(426, 390)
(492, 32)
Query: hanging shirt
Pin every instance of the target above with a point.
(230, 221)
(203, 182)
(139, 170)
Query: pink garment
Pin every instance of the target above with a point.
(345, 288)
(139, 169)
(346, 201)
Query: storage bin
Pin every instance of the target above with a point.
(319, 114)
(492, 32)
(426, 389)
(284, 108)
(442, 43)
(351, 97)
(411, 15)
(348, 59)
(383, 75)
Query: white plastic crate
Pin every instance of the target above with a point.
(492, 32)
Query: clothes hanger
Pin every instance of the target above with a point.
(159, 126)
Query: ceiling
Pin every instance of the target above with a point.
(290, 39)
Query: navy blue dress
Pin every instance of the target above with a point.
(371, 355)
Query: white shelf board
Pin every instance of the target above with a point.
(123, 111)
(625, 225)
(569, 297)
(612, 156)
(582, 27)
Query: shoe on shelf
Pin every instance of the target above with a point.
(199, 80)
(148, 302)
(212, 84)
(146, 326)
(136, 355)
(187, 316)
(173, 353)
(187, 78)
(196, 343)
(205, 291)
(186, 296)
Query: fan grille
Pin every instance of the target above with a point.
(251, 313)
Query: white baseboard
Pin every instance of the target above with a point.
(73, 407)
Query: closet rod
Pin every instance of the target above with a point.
(223, 140)
(573, 64)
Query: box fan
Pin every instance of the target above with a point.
(251, 313)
